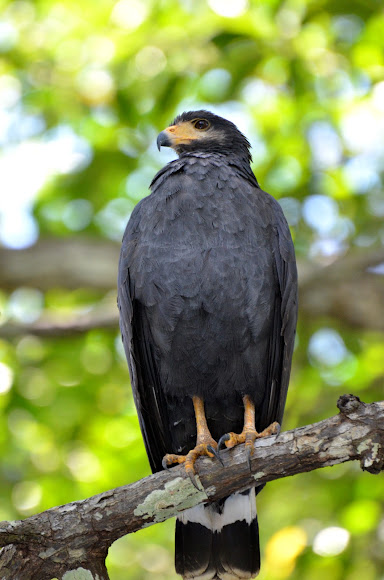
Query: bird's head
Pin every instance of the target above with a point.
(203, 131)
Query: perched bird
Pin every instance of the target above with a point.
(207, 291)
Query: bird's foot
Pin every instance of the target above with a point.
(247, 436)
(207, 448)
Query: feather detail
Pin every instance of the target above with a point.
(219, 540)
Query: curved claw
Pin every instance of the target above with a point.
(170, 458)
(192, 476)
(215, 453)
(165, 464)
(222, 440)
(249, 452)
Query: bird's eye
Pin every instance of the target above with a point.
(201, 124)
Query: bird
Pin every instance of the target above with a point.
(207, 294)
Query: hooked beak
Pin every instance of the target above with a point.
(163, 140)
(176, 135)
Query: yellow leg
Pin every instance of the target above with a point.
(205, 444)
(249, 433)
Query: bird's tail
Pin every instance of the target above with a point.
(219, 540)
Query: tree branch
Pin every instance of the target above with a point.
(77, 535)
(104, 315)
(61, 263)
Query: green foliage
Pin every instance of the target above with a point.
(304, 80)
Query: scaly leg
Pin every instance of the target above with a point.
(205, 444)
(249, 433)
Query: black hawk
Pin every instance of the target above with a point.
(207, 291)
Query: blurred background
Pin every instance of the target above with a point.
(84, 89)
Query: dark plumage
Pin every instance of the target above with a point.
(207, 292)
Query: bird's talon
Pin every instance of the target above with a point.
(210, 451)
(170, 458)
(222, 440)
(273, 429)
(205, 448)
(277, 429)
(215, 453)
(166, 461)
(249, 453)
(192, 477)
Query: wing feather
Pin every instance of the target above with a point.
(148, 395)
(286, 315)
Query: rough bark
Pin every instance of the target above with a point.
(347, 290)
(75, 537)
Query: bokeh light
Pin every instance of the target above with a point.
(129, 14)
(229, 8)
(331, 541)
(326, 347)
(25, 304)
(6, 378)
(283, 548)
(26, 496)
(320, 212)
